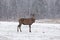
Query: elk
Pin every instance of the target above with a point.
(26, 21)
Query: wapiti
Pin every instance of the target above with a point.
(26, 21)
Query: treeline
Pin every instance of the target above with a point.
(12, 10)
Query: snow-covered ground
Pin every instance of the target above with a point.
(40, 31)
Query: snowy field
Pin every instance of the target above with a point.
(40, 31)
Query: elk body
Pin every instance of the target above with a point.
(26, 21)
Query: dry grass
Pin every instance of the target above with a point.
(48, 21)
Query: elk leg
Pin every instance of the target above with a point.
(19, 27)
(29, 28)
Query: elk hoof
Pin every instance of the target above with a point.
(20, 31)
(29, 31)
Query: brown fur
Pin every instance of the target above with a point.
(26, 21)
